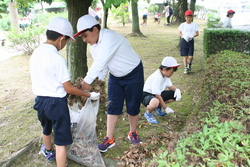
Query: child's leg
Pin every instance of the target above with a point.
(111, 123)
(47, 141)
(153, 104)
(185, 58)
(61, 156)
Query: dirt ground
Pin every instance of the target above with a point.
(16, 98)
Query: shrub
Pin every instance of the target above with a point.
(5, 22)
(27, 40)
(213, 20)
(219, 39)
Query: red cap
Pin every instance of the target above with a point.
(188, 13)
(231, 11)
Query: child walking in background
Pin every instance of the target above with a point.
(51, 83)
(227, 22)
(155, 97)
(188, 31)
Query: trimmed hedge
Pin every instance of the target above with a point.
(219, 39)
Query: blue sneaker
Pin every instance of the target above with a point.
(49, 155)
(106, 144)
(150, 117)
(134, 138)
(159, 112)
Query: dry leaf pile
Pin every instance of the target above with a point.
(97, 86)
(139, 154)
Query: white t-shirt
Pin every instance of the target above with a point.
(188, 30)
(156, 83)
(227, 23)
(111, 53)
(48, 72)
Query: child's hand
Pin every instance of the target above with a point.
(177, 94)
(169, 110)
(94, 95)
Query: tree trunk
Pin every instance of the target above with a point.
(192, 5)
(105, 15)
(135, 18)
(13, 16)
(76, 51)
(184, 7)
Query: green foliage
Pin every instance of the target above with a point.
(115, 3)
(213, 20)
(152, 8)
(5, 22)
(45, 18)
(27, 41)
(121, 13)
(219, 39)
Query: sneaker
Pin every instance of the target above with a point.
(159, 112)
(150, 117)
(185, 70)
(106, 144)
(49, 155)
(134, 138)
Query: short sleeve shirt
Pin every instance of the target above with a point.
(156, 83)
(188, 29)
(48, 72)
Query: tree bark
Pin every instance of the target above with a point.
(76, 51)
(105, 15)
(135, 18)
(13, 16)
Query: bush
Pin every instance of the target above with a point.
(213, 20)
(5, 22)
(219, 39)
(27, 41)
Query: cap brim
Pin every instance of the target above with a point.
(177, 65)
(78, 34)
(72, 38)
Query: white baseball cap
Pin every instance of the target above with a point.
(170, 62)
(62, 26)
(85, 22)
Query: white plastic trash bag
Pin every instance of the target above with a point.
(84, 148)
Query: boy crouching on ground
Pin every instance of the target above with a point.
(154, 94)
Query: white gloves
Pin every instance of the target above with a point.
(177, 94)
(169, 110)
(94, 95)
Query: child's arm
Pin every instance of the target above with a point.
(196, 34)
(69, 88)
(180, 33)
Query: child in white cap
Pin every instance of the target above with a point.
(112, 53)
(155, 96)
(51, 83)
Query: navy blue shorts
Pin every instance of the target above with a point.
(144, 16)
(53, 113)
(187, 48)
(129, 89)
(166, 95)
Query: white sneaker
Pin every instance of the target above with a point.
(185, 70)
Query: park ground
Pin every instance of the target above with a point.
(19, 124)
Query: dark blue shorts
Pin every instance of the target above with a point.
(166, 95)
(144, 16)
(129, 89)
(187, 48)
(53, 113)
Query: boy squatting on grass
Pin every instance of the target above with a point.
(187, 31)
(154, 94)
(51, 83)
(113, 53)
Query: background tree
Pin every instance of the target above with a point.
(135, 18)
(121, 13)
